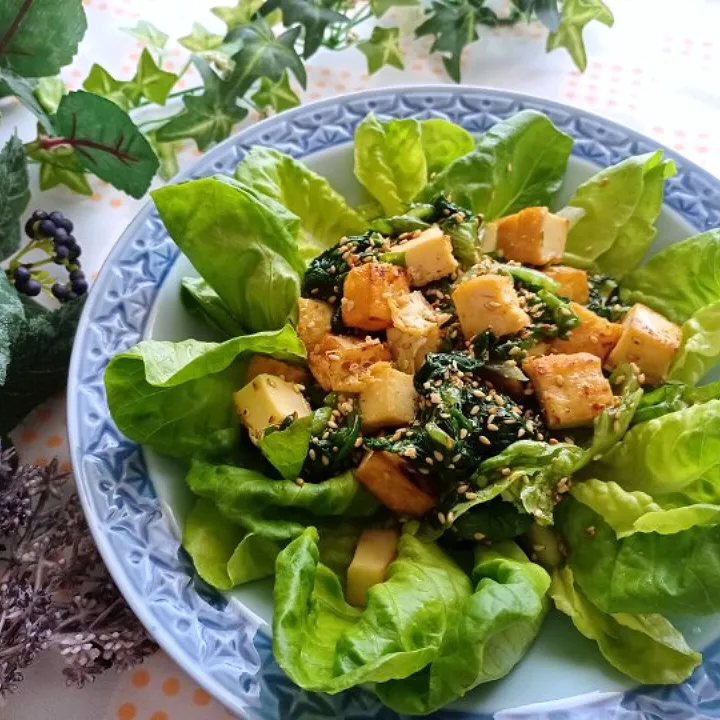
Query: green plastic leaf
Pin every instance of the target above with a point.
(314, 17)
(50, 91)
(14, 195)
(382, 48)
(166, 154)
(39, 37)
(207, 118)
(620, 204)
(59, 166)
(324, 214)
(680, 280)
(547, 11)
(39, 359)
(276, 95)
(240, 14)
(575, 15)
(150, 81)
(700, 349)
(647, 648)
(390, 162)
(201, 301)
(240, 244)
(518, 163)
(107, 142)
(262, 54)
(101, 82)
(444, 142)
(201, 39)
(380, 7)
(12, 319)
(25, 92)
(176, 397)
(148, 34)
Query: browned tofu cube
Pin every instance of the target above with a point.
(428, 257)
(388, 398)
(489, 302)
(573, 282)
(649, 340)
(594, 334)
(367, 293)
(533, 236)
(571, 389)
(343, 363)
(375, 550)
(261, 364)
(384, 475)
(314, 320)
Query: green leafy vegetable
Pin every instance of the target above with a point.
(175, 397)
(14, 194)
(200, 39)
(647, 648)
(382, 48)
(239, 243)
(700, 349)
(443, 142)
(517, 163)
(200, 300)
(276, 95)
(620, 204)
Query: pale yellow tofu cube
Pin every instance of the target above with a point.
(266, 365)
(388, 398)
(267, 400)
(489, 302)
(571, 389)
(649, 340)
(533, 236)
(314, 320)
(367, 293)
(428, 257)
(594, 334)
(410, 350)
(375, 550)
(343, 363)
(573, 282)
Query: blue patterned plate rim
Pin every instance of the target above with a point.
(110, 471)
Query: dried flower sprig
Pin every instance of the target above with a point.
(55, 592)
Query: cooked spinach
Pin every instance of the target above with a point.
(605, 298)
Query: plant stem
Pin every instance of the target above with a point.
(178, 93)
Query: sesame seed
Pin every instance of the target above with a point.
(475, 410)
(424, 471)
(463, 433)
(471, 495)
(438, 456)
(590, 531)
(311, 454)
(493, 410)
(462, 489)
(441, 518)
(484, 440)
(358, 442)
(451, 517)
(325, 460)
(479, 536)
(521, 432)
(506, 471)
(429, 460)
(299, 481)
(457, 458)
(492, 427)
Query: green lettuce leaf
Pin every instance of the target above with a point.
(176, 397)
(673, 396)
(700, 349)
(680, 280)
(443, 142)
(324, 214)
(647, 648)
(277, 510)
(497, 625)
(517, 163)
(202, 302)
(241, 243)
(390, 161)
(621, 204)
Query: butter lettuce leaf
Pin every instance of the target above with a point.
(700, 349)
(202, 302)
(443, 142)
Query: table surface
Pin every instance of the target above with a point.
(656, 71)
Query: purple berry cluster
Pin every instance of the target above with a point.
(55, 227)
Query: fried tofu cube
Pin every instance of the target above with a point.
(267, 400)
(343, 363)
(375, 550)
(489, 302)
(594, 334)
(384, 475)
(573, 282)
(428, 257)
(367, 293)
(533, 236)
(649, 340)
(388, 398)
(571, 389)
(314, 320)
(266, 365)
(409, 350)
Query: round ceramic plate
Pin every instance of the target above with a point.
(134, 500)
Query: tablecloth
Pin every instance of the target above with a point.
(656, 71)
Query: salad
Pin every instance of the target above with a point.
(436, 415)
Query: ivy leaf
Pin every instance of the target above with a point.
(49, 91)
(547, 11)
(11, 320)
(102, 83)
(239, 15)
(453, 23)
(200, 39)
(380, 7)
(313, 17)
(25, 92)
(59, 166)
(383, 48)
(207, 118)
(576, 14)
(147, 33)
(14, 195)
(38, 37)
(150, 81)
(107, 141)
(40, 357)
(263, 55)
(167, 155)
(279, 96)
